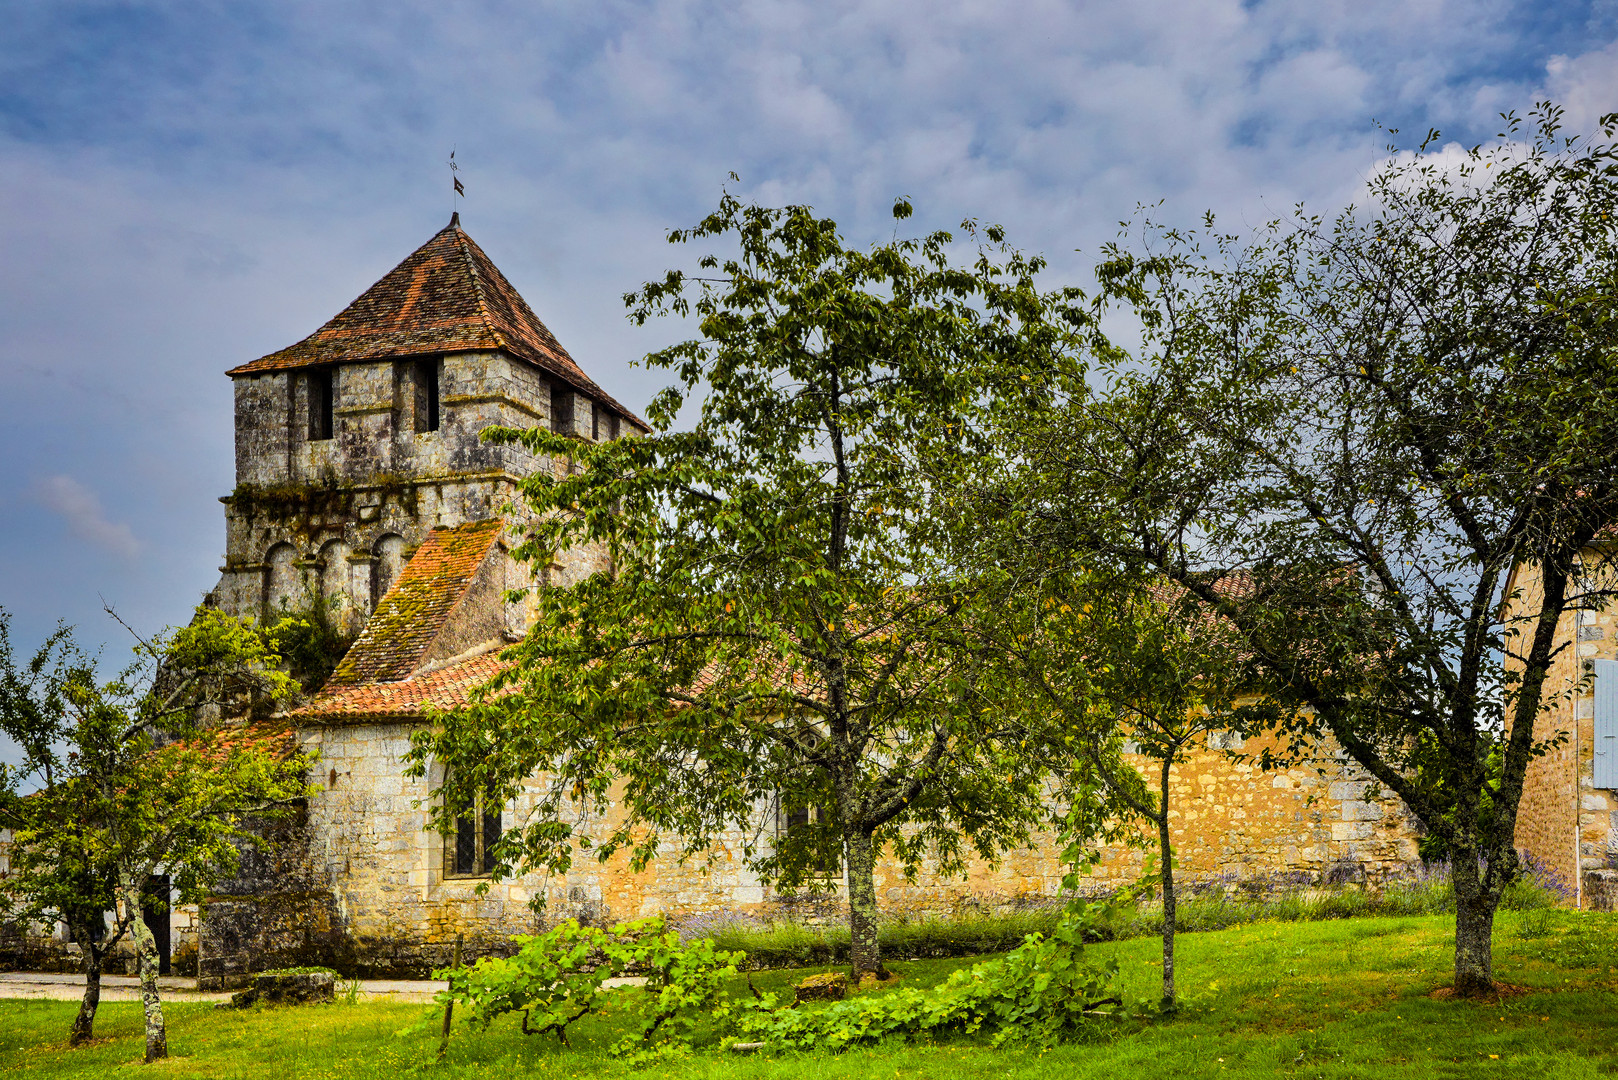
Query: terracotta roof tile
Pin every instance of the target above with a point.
(409, 618)
(446, 297)
(447, 688)
(274, 737)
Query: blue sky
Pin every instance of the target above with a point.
(187, 186)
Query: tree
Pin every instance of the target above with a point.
(117, 783)
(1108, 663)
(1352, 441)
(781, 627)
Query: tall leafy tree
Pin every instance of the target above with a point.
(781, 630)
(1353, 440)
(117, 783)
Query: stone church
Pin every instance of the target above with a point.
(362, 484)
(361, 481)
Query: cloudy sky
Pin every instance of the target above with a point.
(185, 186)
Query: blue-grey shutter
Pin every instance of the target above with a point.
(1606, 748)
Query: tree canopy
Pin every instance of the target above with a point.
(780, 638)
(1355, 440)
(118, 782)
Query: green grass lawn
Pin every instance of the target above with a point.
(1345, 998)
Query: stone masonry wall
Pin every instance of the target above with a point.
(1565, 822)
(392, 910)
(335, 518)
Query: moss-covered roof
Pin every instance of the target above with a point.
(447, 688)
(411, 616)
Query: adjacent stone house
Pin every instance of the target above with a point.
(1568, 819)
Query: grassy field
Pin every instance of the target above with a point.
(1344, 998)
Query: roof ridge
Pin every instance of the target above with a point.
(463, 245)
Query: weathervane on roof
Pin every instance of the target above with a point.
(460, 189)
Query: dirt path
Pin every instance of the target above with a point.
(40, 984)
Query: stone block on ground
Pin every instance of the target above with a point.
(832, 986)
(287, 988)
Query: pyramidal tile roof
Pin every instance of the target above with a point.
(446, 297)
(415, 610)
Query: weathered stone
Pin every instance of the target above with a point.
(831, 986)
(287, 988)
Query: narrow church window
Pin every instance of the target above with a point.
(321, 392)
(468, 852)
(426, 409)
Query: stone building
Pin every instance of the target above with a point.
(361, 480)
(1568, 818)
(362, 483)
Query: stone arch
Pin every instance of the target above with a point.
(390, 559)
(334, 574)
(281, 578)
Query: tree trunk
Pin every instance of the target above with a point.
(1474, 930)
(1166, 852)
(84, 1025)
(157, 1038)
(865, 955)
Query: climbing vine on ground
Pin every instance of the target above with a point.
(1043, 991)
(556, 978)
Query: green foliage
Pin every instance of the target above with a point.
(1043, 992)
(309, 639)
(555, 979)
(784, 624)
(1378, 447)
(124, 781)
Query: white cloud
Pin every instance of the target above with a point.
(81, 509)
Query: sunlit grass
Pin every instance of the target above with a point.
(1342, 998)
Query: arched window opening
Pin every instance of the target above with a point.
(280, 578)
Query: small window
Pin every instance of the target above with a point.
(467, 853)
(322, 389)
(426, 386)
(598, 421)
(827, 859)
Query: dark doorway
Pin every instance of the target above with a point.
(154, 911)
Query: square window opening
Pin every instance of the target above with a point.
(321, 383)
(426, 394)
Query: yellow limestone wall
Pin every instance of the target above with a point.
(1232, 821)
(1564, 821)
